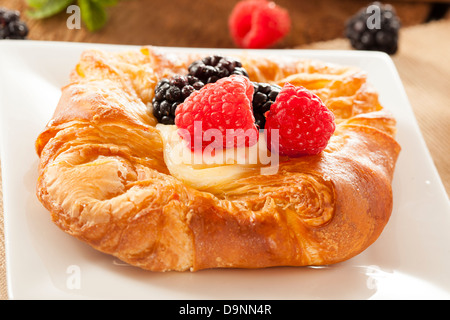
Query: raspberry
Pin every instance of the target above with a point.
(258, 24)
(304, 122)
(218, 107)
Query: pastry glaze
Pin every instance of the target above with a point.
(103, 177)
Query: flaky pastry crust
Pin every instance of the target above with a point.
(103, 177)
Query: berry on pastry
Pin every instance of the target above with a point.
(220, 113)
(212, 68)
(263, 97)
(258, 24)
(303, 122)
(169, 93)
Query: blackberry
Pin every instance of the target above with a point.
(169, 93)
(10, 25)
(368, 30)
(212, 68)
(263, 97)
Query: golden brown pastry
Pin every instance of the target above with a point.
(103, 175)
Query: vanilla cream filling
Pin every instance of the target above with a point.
(214, 167)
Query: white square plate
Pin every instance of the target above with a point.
(411, 259)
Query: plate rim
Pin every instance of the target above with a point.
(4, 44)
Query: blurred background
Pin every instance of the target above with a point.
(203, 23)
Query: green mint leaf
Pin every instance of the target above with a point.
(92, 14)
(46, 8)
(36, 3)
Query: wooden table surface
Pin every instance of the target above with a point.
(422, 60)
(203, 23)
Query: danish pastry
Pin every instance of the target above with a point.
(107, 177)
